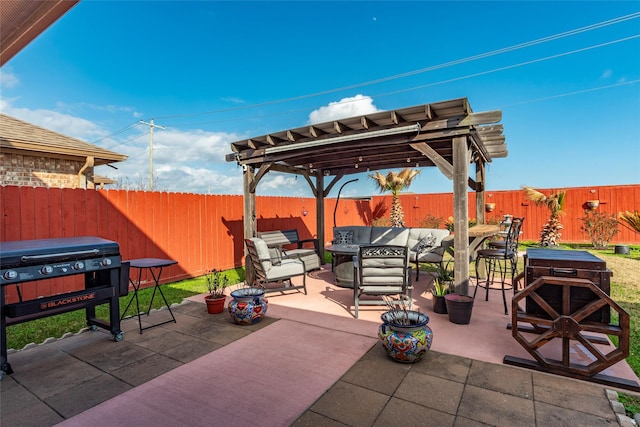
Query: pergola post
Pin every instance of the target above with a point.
(460, 214)
(480, 176)
(320, 214)
(249, 220)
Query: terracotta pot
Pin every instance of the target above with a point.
(214, 305)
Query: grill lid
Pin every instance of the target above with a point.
(40, 251)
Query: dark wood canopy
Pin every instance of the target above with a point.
(447, 135)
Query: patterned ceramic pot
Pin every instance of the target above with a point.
(248, 306)
(405, 335)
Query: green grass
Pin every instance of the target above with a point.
(38, 330)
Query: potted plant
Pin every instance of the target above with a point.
(442, 285)
(404, 333)
(216, 284)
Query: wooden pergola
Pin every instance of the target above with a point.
(447, 135)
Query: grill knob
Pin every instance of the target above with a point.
(106, 262)
(47, 269)
(10, 275)
(79, 265)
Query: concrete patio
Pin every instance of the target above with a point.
(308, 363)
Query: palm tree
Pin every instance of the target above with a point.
(395, 182)
(550, 234)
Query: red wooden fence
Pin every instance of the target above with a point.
(206, 231)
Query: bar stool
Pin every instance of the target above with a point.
(504, 260)
(504, 229)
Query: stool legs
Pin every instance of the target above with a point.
(493, 264)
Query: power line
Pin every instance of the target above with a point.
(117, 132)
(508, 67)
(577, 92)
(424, 70)
(468, 76)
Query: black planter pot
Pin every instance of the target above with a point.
(459, 308)
(439, 304)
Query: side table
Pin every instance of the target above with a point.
(153, 265)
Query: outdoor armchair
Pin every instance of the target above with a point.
(380, 273)
(272, 272)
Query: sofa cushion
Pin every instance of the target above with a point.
(389, 236)
(361, 234)
(416, 236)
(343, 237)
(426, 243)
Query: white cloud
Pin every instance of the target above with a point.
(65, 124)
(276, 181)
(8, 79)
(192, 145)
(183, 161)
(198, 179)
(606, 74)
(346, 107)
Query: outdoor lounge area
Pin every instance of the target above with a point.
(308, 362)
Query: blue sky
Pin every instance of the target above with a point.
(215, 72)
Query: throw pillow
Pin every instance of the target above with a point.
(345, 237)
(275, 255)
(426, 243)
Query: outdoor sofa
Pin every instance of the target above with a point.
(425, 245)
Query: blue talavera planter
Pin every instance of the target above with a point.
(405, 341)
(248, 306)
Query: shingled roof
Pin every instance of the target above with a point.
(19, 136)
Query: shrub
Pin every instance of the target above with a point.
(381, 222)
(600, 227)
(449, 223)
(430, 221)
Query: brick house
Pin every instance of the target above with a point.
(37, 157)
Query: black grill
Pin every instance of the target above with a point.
(105, 279)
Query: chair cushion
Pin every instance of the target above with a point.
(263, 253)
(344, 237)
(286, 269)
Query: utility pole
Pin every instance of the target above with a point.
(151, 126)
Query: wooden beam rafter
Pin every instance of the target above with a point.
(367, 123)
(274, 140)
(445, 167)
(316, 131)
(294, 136)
